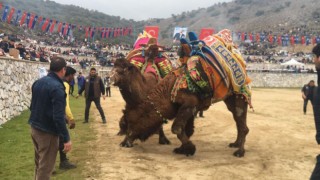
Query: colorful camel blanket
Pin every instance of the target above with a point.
(160, 66)
(214, 66)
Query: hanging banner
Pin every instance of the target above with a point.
(205, 32)
(28, 19)
(106, 33)
(34, 22)
(59, 27)
(5, 13)
(10, 15)
(68, 31)
(152, 30)
(23, 18)
(45, 24)
(66, 27)
(52, 26)
(87, 32)
(49, 25)
(179, 32)
(31, 21)
(17, 17)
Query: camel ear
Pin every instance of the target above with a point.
(131, 67)
(128, 68)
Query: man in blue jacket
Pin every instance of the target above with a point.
(316, 110)
(47, 120)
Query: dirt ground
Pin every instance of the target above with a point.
(280, 144)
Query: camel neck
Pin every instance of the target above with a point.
(133, 92)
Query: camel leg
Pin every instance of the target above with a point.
(162, 137)
(190, 127)
(183, 115)
(123, 126)
(238, 107)
(127, 142)
(179, 126)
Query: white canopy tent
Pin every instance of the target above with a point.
(292, 62)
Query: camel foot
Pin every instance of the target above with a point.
(176, 129)
(239, 153)
(164, 140)
(187, 149)
(121, 132)
(126, 143)
(234, 145)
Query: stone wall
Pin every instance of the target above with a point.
(283, 80)
(17, 77)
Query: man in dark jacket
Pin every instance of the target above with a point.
(307, 94)
(316, 110)
(93, 89)
(47, 120)
(81, 82)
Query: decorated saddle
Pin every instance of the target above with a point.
(215, 66)
(149, 57)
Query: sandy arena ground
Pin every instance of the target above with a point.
(279, 146)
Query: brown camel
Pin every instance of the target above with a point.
(148, 117)
(135, 90)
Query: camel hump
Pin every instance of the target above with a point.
(198, 75)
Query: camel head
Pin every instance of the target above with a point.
(123, 71)
(152, 51)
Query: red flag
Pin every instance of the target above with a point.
(31, 21)
(251, 37)
(270, 38)
(126, 31)
(23, 18)
(59, 27)
(40, 19)
(292, 40)
(10, 15)
(152, 30)
(242, 36)
(205, 32)
(87, 32)
(52, 26)
(303, 40)
(314, 41)
(45, 24)
(130, 30)
(107, 33)
(119, 31)
(279, 40)
(258, 37)
(115, 32)
(66, 29)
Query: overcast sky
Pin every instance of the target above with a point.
(141, 9)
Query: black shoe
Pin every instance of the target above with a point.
(65, 165)
(104, 121)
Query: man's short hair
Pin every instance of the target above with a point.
(316, 50)
(70, 71)
(57, 63)
(93, 69)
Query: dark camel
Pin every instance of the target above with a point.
(134, 88)
(148, 117)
